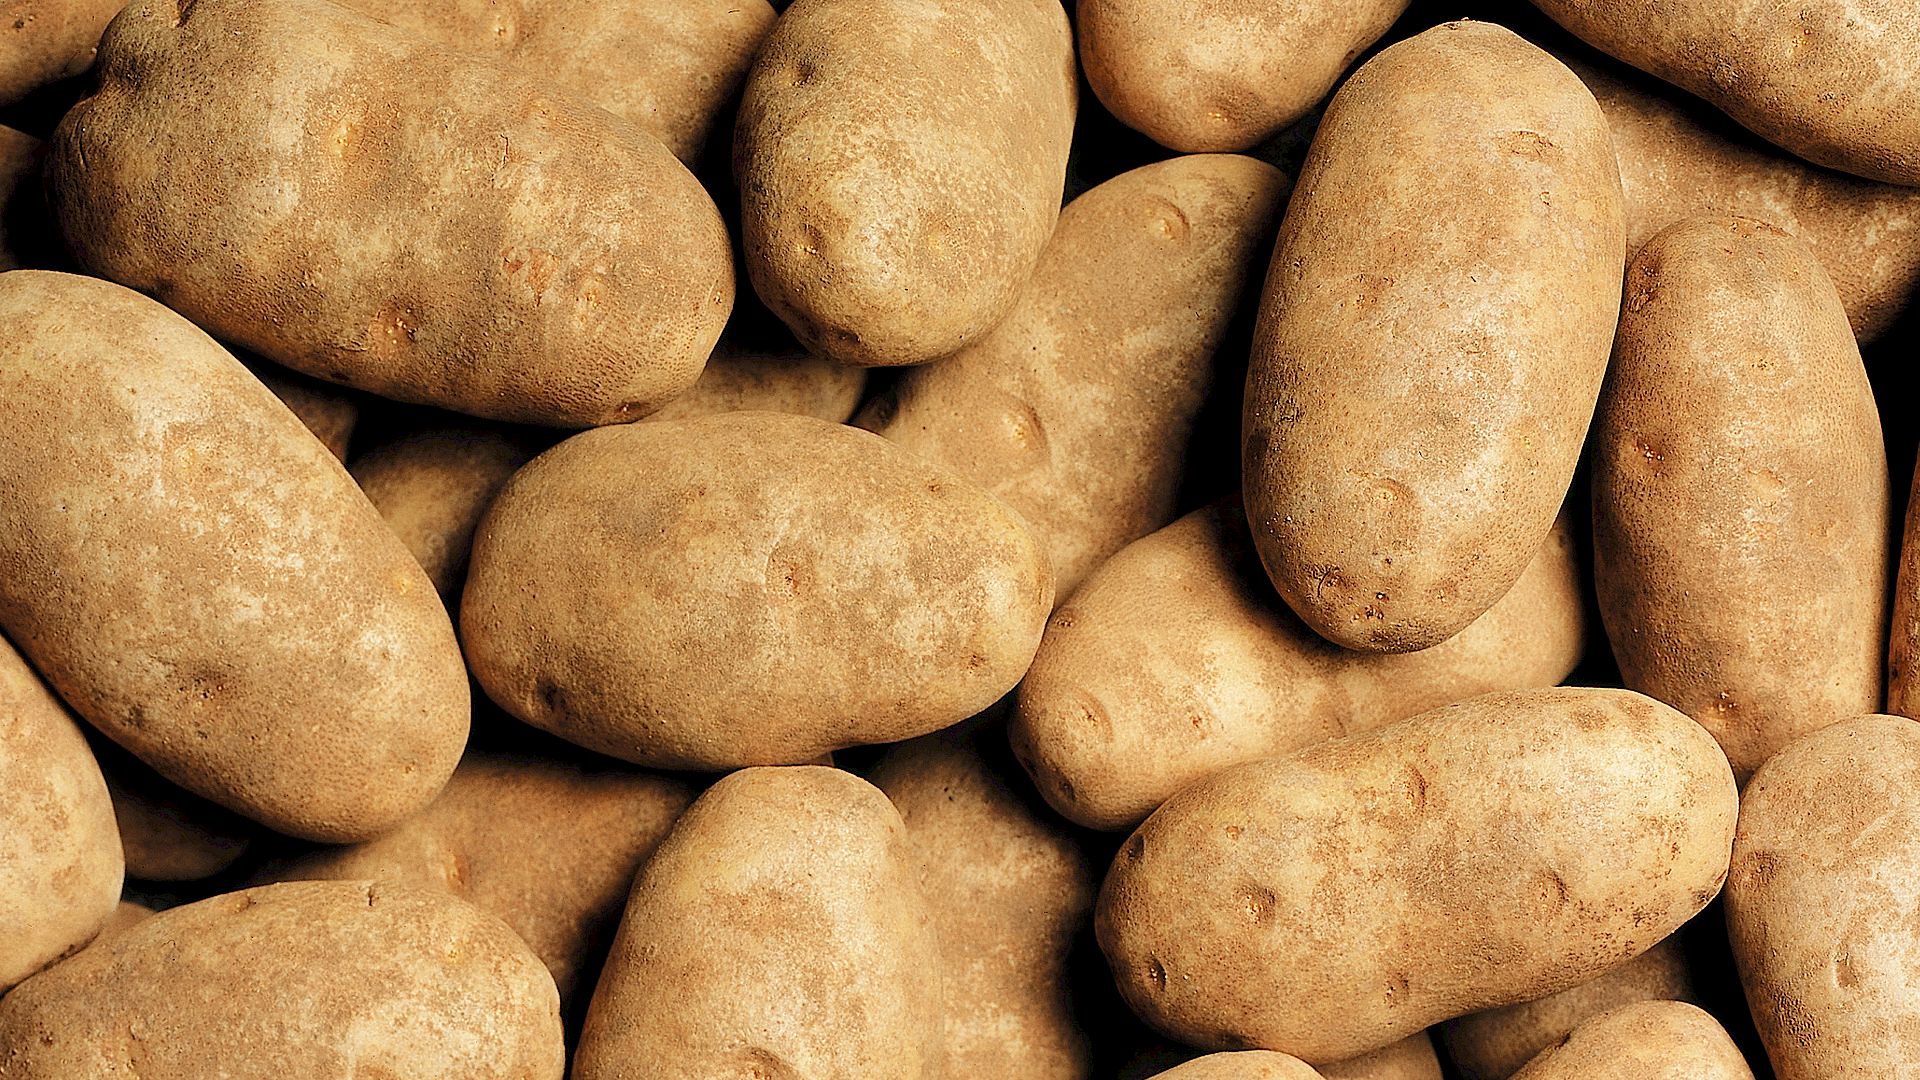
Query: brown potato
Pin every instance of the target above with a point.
(166, 833)
(1740, 502)
(747, 588)
(328, 411)
(44, 41)
(1903, 651)
(779, 931)
(1651, 1040)
(312, 979)
(790, 380)
(1412, 1058)
(1078, 407)
(460, 237)
(900, 166)
(126, 915)
(1322, 903)
(1421, 382)
(1243, 1065)
(200, 579)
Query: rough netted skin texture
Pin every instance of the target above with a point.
(60, 864)
(1015, 887)
(1903, 648)
(1176, 660)
(1223, 75)
(1077, 409)
(167, 833)
(199, 578)
(901, 165)
(328, 411)
(1835, 81)
(1412, 1058)
(779, 932)
(1242, 1065)
(1421, 382)
(1741, 511)
(740, 377)
(462, 237)
(1496, 1043)
(1650, 1040)
(750, 588)
(44, 41)
(1826, 874)
(1328, 903)
(322, 980)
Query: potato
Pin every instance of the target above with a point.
(60, 866)
(901, 164)
(126, 915)
(1078, 407)
(778, 932)
(1222, 76)
(1495, 1044)
(747, 588)
(1244, 1065)
(328, 411)
(44, 41)
(1834, 81)
(460, 237)
(1421, 382)
(1903, 686)
(1740, 502)
(168, 834)
(1412, 1058)
(1651, 1040)
(1323, 904)
(311, 979)
(740, 377)
(198, 577)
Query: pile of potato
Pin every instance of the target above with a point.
(640, 539)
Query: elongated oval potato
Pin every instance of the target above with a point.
(1243, 1065)
(1323, 904)
(1903, 650)
(1421, 382)
(329, 411)
(1175, 660)
(310, 979)
(1412, 1058)
(901, 164)
(1651, 1040)
(1740, 492)
(1077, 409)
(1224, 75)
(740, 377)
(1835, 81)
(44, 41)
(747, 588)
(779, 931)
(198, 577)
(60, 863)
(167, 833)
(461, 237)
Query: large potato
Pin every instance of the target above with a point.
(198, 577)
(745, 589)
(167, 834)
(1243, 1065)
(779, 931)
(901, 164)
(322, 980)
(1078, 407)
(1740, 502)
(44, 41)
(1422, 381)
(741, 377)
(1175, 660)
(1903, 652)
(1323, 903)
(1651, 1040)
(461, 236)
(1412, 1058)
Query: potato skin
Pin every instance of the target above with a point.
(740, 378)
(388, 981)
(44, 41)
(1235, 916)
(1650, 1040)
(1242, 1065)
(1903, 650)
(233, 598)
(166, 833)
(779, 931)
(462, 237)
(1077, 409)
(1740, 492)
(1412, 1058)
(1421, 383)
(328, 411)
(747, 588)
(901, 165)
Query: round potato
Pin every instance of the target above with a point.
(1651, 1040)
(44, 41)
(739, 378)
(1903, 652)
(328, 411)
(1412, 1058)
(1243, 1065)
(166, 833)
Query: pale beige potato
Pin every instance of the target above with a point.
(167, 833)
(1412, 1058)
(328, 411)
(199, 578)
(1242, 1065)
(44, 41)
(326, 980)
(1323, 903)
(1651, 1040)
(790, 380)
(779, 931)
(1433, 335)
(1077, 409)
(463, 236)
(1903, 648)
(748, 588)
(1740, 492)
(901, 165)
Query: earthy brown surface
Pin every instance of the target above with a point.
(1651, 1040)
(199, 578)
(738, 378)
(1421, 382)
(461, 237)
(328, 411)
(1244, 1065)
(1740, 491)
(44, 41)
(126, 915)
(166, 833)
(1903, 651)
(1412, 1058)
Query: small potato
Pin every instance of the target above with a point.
(747, 588)
(168, 834)
(1077, 409)
(779, 932)
(739, 378)
(1740, 491)
(1651, 1040)
(1903, 682)
(901, 164)
(1323, 903)
(1422, 381)
(1412, 1058)
(44, 41)
(328, 411)
(317, 980)
(1243, 1065)
(461, 236)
